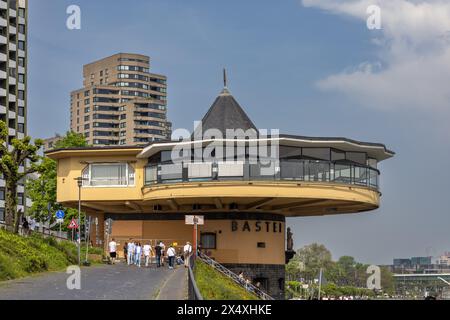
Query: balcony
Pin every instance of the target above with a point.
(285, 170)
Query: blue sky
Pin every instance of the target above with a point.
(280, 57)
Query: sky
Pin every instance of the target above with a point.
(308, 67)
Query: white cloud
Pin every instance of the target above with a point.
(413, 71)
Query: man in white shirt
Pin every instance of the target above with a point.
(147, 249)
(130, 252)
(187, 251)
(112, 250)
(171, 255)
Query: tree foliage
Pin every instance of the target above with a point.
(16, 163)
(42, 190)
(71, 140)
(343, 275)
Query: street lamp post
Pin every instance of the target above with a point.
(80, 183)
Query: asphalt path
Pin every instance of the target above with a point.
(101, 282)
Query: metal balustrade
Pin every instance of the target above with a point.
(233, 276)
(284, 170)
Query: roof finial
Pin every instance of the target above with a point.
(224, 78)
(225, 91)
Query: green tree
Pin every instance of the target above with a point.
(314, 257)
(24, 154)
(347, 270)
(42, 190)
(293, 270)
(71, 140)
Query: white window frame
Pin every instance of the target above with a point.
(88, 181)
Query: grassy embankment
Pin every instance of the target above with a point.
(215, 286)
(23, 256)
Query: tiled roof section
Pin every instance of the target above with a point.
(226, 113)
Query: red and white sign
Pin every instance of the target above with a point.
(73, 224)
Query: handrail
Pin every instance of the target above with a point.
(285, 170)
(233, 276)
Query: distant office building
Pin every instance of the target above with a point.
(13, 75)
(444, 260)
(402, 263)
(121, 102)
(421, 261)
(49, 143)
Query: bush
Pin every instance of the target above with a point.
(20, 256)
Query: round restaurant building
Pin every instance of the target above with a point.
(244, 186)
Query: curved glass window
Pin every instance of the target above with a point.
(317, 153)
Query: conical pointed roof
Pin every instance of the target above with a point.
(226, 113)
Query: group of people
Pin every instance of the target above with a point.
(134, 251)
(247, 283)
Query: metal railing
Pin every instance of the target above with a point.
(233, 276)
(193, 291)
(284, 170)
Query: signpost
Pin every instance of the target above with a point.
(87, 236)
(60, 219)
(195, 220)
(73, 225)
(108, 231)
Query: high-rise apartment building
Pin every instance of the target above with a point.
(121, 102)
(13, 78)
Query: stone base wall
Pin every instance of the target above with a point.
(271, 276)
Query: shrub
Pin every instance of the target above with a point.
(20, 256)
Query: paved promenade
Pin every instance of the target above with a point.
(103, 282)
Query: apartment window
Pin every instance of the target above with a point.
(86, 101)
(21, 78)
(20, 199)
(86, 134)
(21, 94)
(22, 12)
(87, 110)
(86, 127)
(22, 28)
(2, 194)
(108, 174)
(123, 125)
(21, 45)
(78, 112)
(208, 240)
(123, 116)
(21, 62)
(21, 111)
(86, 118)
(12, 72)
(123, 141)
(21, 128)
